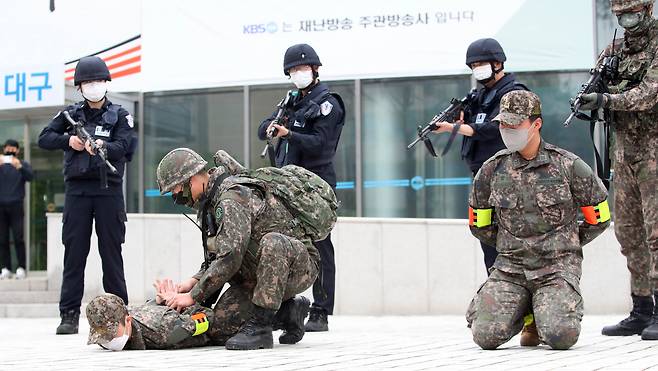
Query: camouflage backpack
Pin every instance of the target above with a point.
(308, 198)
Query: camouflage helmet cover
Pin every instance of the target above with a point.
(619, 6)
(105, 313)
(178, 166)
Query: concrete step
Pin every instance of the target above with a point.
(50, 310)
(31, 283)
(29, 297)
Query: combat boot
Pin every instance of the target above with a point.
(290, 319)
(529, 335)
(651, 331)
(317, 320)
(636, 322)
(69, 324)
(256, 333)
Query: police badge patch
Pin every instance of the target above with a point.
(326, 107)
(129, 118)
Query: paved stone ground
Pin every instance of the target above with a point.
(371, 343)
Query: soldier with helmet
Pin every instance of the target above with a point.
(526, 200)
(87, 200)
(308, 138)
(252, 241)
(631, 99)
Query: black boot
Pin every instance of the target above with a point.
(651, 331)
(290, 319)
(256, 333)
(69, 324)
(636, 322)
(317, 320)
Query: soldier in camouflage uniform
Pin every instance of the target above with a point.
(253, 243)
(525, 201)
(632, 101)
(115, 326)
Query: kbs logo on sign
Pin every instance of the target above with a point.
(259, 28)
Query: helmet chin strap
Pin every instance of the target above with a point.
(494, 71)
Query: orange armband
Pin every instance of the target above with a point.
(596, 214)
(479, 217)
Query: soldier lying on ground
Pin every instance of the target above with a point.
(115, 326)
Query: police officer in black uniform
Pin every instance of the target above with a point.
(481, 138)
(308, 135)
(87, 198)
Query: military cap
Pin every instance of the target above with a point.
(620, 6)
(105, 313)
(517, 106)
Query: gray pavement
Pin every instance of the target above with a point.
(365, 343)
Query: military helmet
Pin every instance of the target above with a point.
(178, 166)
(485, 50)
(298, 55)
(105, 313)
(90, 69)
(620, 6)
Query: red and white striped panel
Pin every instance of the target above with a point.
(124, 59)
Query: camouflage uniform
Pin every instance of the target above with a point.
(153, 326)
(633, 101)
(529, 210)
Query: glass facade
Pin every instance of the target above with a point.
(377, 175)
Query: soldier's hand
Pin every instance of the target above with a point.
(443, 127)
(186, 286)
(76, 143)
(282, 131)
(593, 101)
(180, 301)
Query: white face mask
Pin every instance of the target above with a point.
(515, 139)
(94, 91)
(118, 343)
(483, 72)
(302, 79)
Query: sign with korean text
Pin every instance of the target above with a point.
(31, 86)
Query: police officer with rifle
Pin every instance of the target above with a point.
(93, 175)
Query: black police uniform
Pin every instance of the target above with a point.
(486, 140)
(315, 122)
(87, 201)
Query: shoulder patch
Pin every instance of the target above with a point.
(131, 123)
(325, 108)
(219, 213)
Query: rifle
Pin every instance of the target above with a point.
(449, 114)
(272, 140)
(600, 76)
(82, 133)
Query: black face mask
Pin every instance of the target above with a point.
(9, 153)
(184, 196)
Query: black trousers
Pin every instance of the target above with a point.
(11, 220)
(324, 287)
(110, 216)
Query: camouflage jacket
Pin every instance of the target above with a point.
(536, 206)
(242, 216)
(634, 95)
(160, 327)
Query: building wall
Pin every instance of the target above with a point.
(384, 266)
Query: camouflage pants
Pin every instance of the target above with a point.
(496, 313)
(284, 270)
(636, 220)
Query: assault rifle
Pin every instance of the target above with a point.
(601, 75)
(450, 114)
(272, 140)
(83, 134)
